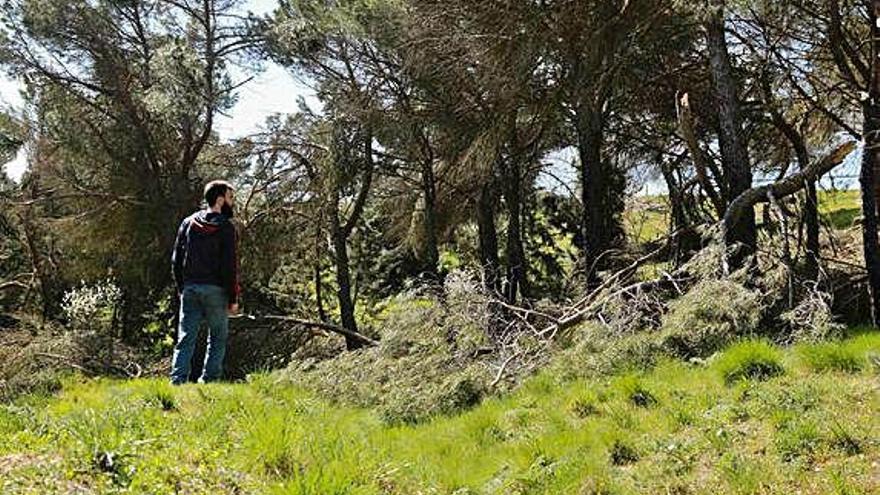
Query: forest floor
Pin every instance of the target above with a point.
(753, 419)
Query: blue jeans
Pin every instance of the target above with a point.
(198, 302)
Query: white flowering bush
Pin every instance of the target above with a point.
(90, 311)
(90, 308)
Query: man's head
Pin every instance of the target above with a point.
(220, 194)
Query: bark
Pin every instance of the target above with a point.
(514, 251)
(319, 285)
(734, 153)
(698, 155)
(868, 178)
(678, 218)
(599, 193)
(429, 192)
(343, 281)
(811, 219)
(340, 232)
(488, 237)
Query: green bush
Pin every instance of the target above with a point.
(710, 316)
(832, 356)
(750, 360)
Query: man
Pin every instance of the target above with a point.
(205, 266)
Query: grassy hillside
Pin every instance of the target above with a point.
(755, 419)
(647, 217)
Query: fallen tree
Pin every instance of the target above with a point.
(785, 187)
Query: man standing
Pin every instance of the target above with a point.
(205, 266)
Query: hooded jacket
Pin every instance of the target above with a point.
(206, 252)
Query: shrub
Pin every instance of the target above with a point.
(29, 359)
(750, 360)
(596, 354)
(709, 316)
(832, 356)
(91, 311)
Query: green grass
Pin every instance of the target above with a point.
(750, 360)
(647, 218)
(840, 208)
(678, 428)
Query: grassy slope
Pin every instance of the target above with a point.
(679, 428)
(647, 217)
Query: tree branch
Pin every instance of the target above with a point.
(786, 186)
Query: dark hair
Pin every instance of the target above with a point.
(215, 189)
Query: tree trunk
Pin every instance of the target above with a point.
(593, 186)
(429, 191)
(737, 170)
(868, 178)
(678, 218)
(343, 282)
(49, 305)
(488, 237)
(319, 285)
(602, 190)
(811, 219)
(340, 232)
(514, 251)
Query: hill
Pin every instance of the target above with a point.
(752, 419)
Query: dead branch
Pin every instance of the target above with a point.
(62, 359)
(13, 283)
(500, 373)
(785, 187)
(699, 157)
(319, 324)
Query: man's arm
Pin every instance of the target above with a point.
(178, 254)
(230, 264)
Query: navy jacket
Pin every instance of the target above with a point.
(206, 252)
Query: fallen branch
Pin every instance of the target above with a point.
(500, 373)
(63, 359)
(13, 283)
(785, 187)
(320, 324)
(577, 316)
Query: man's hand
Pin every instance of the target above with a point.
(232, 309)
